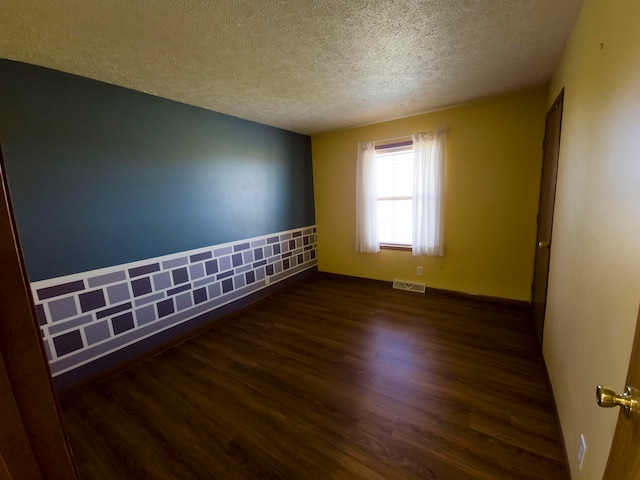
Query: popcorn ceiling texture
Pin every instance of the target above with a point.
(303, 65)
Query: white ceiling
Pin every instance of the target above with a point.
(303, 65)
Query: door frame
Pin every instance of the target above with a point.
(34, 444)
(544, 219)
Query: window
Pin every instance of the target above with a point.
(394, 167)
(399, 195)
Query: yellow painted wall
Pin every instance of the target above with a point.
(493, 161)
(594, 279)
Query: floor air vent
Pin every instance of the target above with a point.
(409, 286)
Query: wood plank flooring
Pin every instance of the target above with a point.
(332, 378)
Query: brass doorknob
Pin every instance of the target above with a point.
(628, 400)
(544, 244)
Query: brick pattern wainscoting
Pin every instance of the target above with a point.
(88, 315)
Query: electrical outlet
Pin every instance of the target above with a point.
(582, 449)
(419, 271)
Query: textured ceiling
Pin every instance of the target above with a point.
(302, 65)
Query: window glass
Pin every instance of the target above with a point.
(395, 189)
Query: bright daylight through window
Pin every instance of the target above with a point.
(395, 191)
(399, 192)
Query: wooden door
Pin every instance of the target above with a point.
(624, 457)
(551, 146)
(33, 444)
(14, 441)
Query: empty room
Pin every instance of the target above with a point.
(320, 240)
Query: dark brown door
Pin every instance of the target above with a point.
(551, 147)
(14, 441)
(624, 461)
(32, 442)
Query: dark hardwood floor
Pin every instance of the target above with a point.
(332, 378)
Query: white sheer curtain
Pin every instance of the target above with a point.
(428, 189)
(367, 200)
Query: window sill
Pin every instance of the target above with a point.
(392, 246)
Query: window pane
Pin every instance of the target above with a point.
(395, 189)
(395, 171)
(394, 221)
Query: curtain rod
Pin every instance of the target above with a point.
(409, 136)
(391, 146)
(404, 137)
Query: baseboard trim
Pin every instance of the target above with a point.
(484, 298)
(439, 291)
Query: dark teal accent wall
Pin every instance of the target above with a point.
(101, 175)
